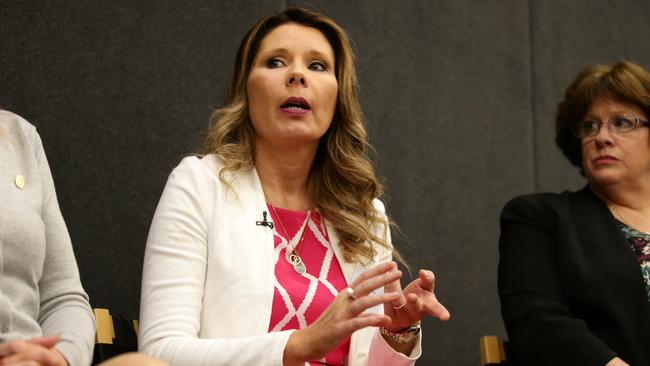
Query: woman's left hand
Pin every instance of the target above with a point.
(417, 301)
(35, 351)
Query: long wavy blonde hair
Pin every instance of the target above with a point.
(342, 182)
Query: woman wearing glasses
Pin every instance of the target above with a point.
(574, 272)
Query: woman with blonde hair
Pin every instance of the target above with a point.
(272, 247)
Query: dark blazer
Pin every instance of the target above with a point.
(571, 290)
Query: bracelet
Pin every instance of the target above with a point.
(402, 336)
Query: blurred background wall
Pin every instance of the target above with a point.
(459, 97)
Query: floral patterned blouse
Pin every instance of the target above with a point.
(640, 244)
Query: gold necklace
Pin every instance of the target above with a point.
(293, 255)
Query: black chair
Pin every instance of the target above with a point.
(115, 335)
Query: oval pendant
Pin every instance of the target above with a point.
(294, 259)
(297, 263)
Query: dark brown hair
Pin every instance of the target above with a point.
(623, 81)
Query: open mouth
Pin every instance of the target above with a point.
(296, 104)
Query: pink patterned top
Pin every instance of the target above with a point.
(299, 299)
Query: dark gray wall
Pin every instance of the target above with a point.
(459, 96)
(566, 36)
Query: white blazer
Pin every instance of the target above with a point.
(208, 277)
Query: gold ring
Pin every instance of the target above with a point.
(350, 293)
(401, 306)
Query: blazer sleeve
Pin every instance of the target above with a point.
(541, 328)
(173, 281)
(64, 308)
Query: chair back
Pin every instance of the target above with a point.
(493, 351)
(114, 335)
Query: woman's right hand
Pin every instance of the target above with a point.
(343, 316)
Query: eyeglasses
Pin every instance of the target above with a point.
(618, 125)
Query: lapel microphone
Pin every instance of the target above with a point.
(264, 221)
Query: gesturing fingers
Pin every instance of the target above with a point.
(420, 302)
(373, 272)
(395, 287)
(366, 320)
(371, 284)
(427, 302)
(434, 308)
(359, 305)
(427, 280)
(362, 291)
(431, 305)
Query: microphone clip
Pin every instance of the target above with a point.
(264, 221)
